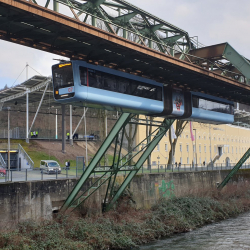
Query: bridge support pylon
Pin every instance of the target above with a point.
(129, 163)
(234, 170)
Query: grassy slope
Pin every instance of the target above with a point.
(33, 150)
(37, 154)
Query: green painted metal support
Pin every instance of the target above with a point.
(89, 170)
(55, 6)
(130, 163)
(116, 15)
(237, 60)
(235, 169)
(162, 131)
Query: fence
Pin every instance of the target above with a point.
(15, 133)
(75, 172)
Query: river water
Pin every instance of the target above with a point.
(225, 235)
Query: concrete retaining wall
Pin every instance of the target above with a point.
(39, 199)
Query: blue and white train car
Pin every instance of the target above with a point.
(99, 87)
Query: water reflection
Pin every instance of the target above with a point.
(229, 234)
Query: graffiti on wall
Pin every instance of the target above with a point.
(166, 189)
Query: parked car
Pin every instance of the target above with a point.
(2, 171)
(50, 167)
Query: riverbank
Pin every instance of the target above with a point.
(125, 227)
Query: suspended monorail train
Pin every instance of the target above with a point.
(96, 86)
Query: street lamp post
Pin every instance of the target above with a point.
(195, 148)
(8, 108)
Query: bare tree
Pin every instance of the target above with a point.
(180, 125)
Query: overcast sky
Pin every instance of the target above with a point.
(213, 21)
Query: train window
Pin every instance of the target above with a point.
(62, 77)
(195, 102)
(109, 82)
(122, 85)
(95, 79)
(212, 106)
(83, 75)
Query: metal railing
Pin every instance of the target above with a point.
(75, 172)
(2, 161)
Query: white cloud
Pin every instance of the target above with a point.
(14, 59)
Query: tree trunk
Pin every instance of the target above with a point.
(180, 125)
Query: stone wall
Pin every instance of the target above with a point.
(38, 200)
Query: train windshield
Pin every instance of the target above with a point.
(62, 76)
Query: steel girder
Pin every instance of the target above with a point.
(130, 162)
(235, 169)
(124, 19)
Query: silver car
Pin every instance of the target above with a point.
(50, 167)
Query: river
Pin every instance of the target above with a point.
(231, 234)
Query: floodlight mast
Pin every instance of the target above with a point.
(8, 108)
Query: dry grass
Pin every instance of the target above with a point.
(125, 227)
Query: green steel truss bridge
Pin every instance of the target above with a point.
(117, 34)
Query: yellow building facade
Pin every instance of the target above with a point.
(222, 144)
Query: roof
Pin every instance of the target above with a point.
(16, 97)
(49, 161)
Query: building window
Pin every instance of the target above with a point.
(193, 148)
(200, 160)
(210, 149)
(232, 149)
(215, 149)
(166, 147)
(180, 148)
(187, 148)
(228, 150)
(187, 160)
(186, 136)
(200, 148)
(214, 138)
(158, 147)
(205, 149)
(204, 137)
(153, 162)
(199, 137)
(181, 160)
